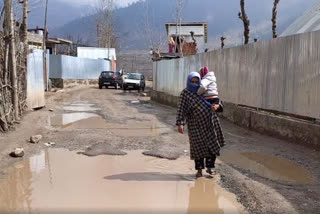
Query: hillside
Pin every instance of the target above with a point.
(221, 17)
(59, 13)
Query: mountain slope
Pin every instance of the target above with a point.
(221, 17)
(59, 13)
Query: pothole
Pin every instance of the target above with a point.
(77, 120)
(84, 115)
(79, 115)
(81, 107)
(138, 128)
(268, 166)
(60, 180)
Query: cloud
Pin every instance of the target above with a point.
(124, 3)
(120, 3)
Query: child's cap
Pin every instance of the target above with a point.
(204, 71)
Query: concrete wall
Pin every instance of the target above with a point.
(281, 75)
(74, 68)
(35, 80)
(306, 133)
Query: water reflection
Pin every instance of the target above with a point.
(208, 197)
(63, 180)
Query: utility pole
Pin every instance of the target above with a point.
(14, 81)
(44, 48)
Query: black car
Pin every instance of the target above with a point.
(110, 78)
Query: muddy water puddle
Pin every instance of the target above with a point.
(138, 128)
(94, 121)
(78, 121)
(81, 108)
(61, 181)
(84, 115)
(79, 114)
(271, 167)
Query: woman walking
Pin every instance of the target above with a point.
(205, 134)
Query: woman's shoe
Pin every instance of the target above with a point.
(199, 174)
(210, 171)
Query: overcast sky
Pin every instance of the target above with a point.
(121, 3)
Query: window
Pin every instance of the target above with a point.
(107, 74)
(134, 76)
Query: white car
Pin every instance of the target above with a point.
(134, 81)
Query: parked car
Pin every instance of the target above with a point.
(110, 78)
(134, 81)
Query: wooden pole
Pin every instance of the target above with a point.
(44, 48)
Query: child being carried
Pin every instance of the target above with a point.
(209, 88)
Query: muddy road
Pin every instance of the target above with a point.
(119, 152)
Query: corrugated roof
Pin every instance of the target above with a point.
(309, 21)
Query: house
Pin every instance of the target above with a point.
(35, 37)
(184, 39)
(99, 53)
(193, 34)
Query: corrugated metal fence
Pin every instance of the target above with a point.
(35, 78)
(68, 67)
(282, 74)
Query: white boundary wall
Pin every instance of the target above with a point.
(282, 74)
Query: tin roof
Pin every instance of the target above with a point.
(59, 41)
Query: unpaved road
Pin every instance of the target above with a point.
(266, 175)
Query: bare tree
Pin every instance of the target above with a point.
(148, 27)
(13, 63)
(105, 29)
(44, 47)
(274, 18)
(246, 22)
(179, 10)
(10, 28)
(150, 31)
(24, 29)
(222, 41)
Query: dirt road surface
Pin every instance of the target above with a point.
(119, 151)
